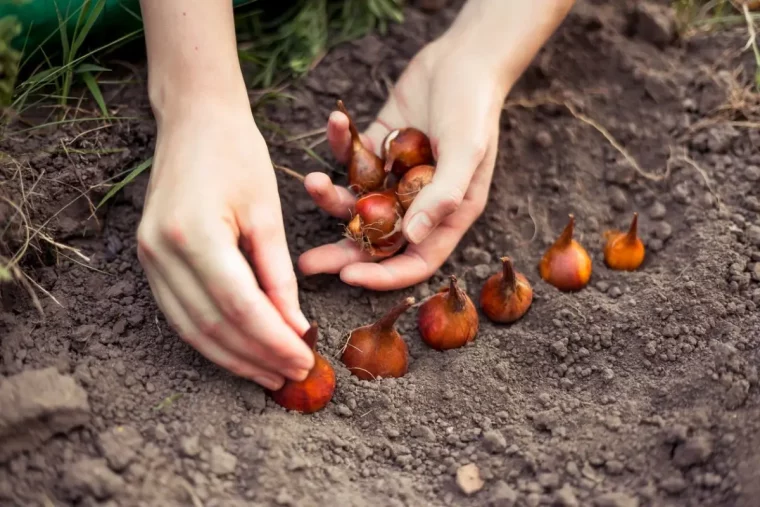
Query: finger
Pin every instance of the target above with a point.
(339, 137)
(181, 322)
(262, 228)
(331, 258)
(457, 162)
(206, 318)
(335, 200)
(221, 271)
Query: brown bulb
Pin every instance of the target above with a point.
(448, 319)
(377, 350)
(414, 180)
(566, 264)
(377, 220)
(365, 169)
(624, 250)
(507, 295)
(316, 390)
(406, 148)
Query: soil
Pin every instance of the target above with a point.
(640, 390)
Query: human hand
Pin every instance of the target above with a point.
(213, 191)
(456, 99)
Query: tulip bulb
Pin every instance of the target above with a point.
(377, 222)
(412, 182)
(316, 390)
(365, 169)
(377, 350)
(406, 148)
(566, 264)
(624, 250)
(448, 319)
(507, 295)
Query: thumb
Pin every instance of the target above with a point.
(458, 159)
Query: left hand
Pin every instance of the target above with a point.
(456, 99)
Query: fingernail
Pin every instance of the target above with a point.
(419, 227)
(268, 382)
(297, 374)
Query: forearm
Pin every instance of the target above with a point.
(192, 53)
(507, 33)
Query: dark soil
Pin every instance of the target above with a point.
(640, 390)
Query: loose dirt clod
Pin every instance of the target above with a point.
(468, 479)
(35, 405)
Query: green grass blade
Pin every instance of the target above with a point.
(91, 67)
(134, 173)
(92, 85)
(85, 29)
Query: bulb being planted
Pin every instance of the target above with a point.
(316, 390)
(448, 319)
(377, 350)
(412, 182)
(377, 222)
(507, 295)
(566, 264)
(365, 169)
(406, 148)
(624, 250)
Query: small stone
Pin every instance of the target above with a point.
(297, 463)
(221, 462)
(755, 272)
(565, 497)
(190, 446)
(474, 255)
(602, 286)
(613, 422)
(662, 230)
(615, 292)
(618, 199)
(559, 348)
(615, 500)
(712, 480)
(502, 495)
(343, 410)
(468, 479)
(543, 139)
(423, 432)
(752, 173)
(160, 433)
(673, 485)
(90, 477)
(608, 374)
(494, 441)
(614, 467)
(119, 446)
(696, 450)
(657, 211)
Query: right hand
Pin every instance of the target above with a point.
(213, 190)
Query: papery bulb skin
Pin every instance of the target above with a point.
(377, 220)
(566, 264)
(507, 295)
(378, 350)
(412, 182)
(316, 390)
(365, 169)
(624, 251)
(406, 148)
(448, 319)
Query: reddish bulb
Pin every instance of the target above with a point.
(624, 250)
(377, 220)
(377, 350)
(448, 319)
(566, 264)
(365, 169)
(507, 295)
(316, 390)
(406, 148)
(412, 182)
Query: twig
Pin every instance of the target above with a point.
(290, 172)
